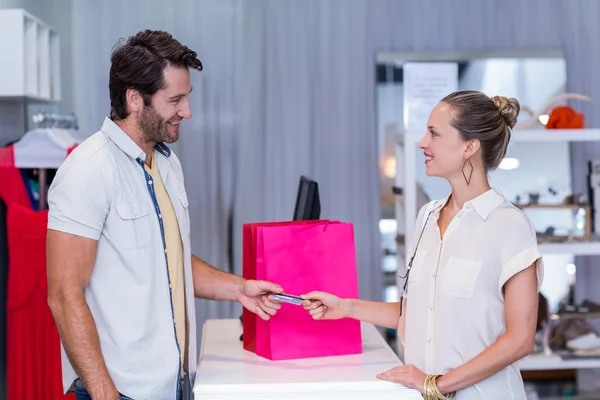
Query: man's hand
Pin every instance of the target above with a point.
(257, 296)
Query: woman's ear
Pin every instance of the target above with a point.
(472, 148)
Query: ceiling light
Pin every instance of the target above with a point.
(509, 163)
(389, 167)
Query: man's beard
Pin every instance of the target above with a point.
(153, 128)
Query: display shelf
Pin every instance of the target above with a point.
(527, 135)
(543, 362)
(575, 248)
(29, 57)
(555, 135)
(575, 315)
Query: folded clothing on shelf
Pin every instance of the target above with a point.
(586, 306)
(588, 343)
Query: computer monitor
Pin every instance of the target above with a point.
(308, 204)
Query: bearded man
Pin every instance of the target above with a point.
(121, 276)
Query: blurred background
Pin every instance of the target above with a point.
(320, 88)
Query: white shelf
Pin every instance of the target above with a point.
(525, 135)
(542, 362)
(29, 57)
(555, 135)
(577, 249)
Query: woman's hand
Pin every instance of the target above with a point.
(407, 375)
(323, 305)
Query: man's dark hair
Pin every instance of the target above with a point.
(139, 64)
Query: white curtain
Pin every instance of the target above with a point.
(307, 107)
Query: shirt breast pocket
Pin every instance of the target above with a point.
(135, 225)
(460, 277)
(183, 199)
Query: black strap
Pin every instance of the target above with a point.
(410, 263)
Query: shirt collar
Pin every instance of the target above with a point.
(483, 204)
(487, 202)
(125, 143)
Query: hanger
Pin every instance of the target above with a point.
(46, 147)
(45, 120)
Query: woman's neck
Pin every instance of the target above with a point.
(463, 192)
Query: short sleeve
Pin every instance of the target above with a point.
(78, 202)
(519, 249)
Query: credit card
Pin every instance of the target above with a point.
(288, 298)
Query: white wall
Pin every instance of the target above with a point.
(541, 80)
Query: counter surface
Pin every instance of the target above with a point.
(227, 371)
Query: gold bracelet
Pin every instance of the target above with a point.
(431, 392)
(439, 395)
(428, 391)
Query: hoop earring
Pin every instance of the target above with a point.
(468, 180)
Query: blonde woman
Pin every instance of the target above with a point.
(468, 310)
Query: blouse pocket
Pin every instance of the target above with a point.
(417, 267)
(460, 277)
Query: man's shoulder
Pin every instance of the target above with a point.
(97, 150)
(91, 147)
(92, 158)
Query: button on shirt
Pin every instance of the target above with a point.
(455, 288)
(103, 192)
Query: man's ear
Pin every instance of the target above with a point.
(135, 102)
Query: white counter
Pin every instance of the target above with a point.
(227, 371)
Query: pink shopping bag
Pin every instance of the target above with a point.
(249, 272)
(302, 258)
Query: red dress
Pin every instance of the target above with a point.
(33, 346)
(12, 187)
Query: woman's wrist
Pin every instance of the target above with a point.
(441, 383)
(347, 306)
(433, 390)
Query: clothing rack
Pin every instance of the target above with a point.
(45, 120)
(42, 181)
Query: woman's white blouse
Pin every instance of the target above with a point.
(456, 306)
